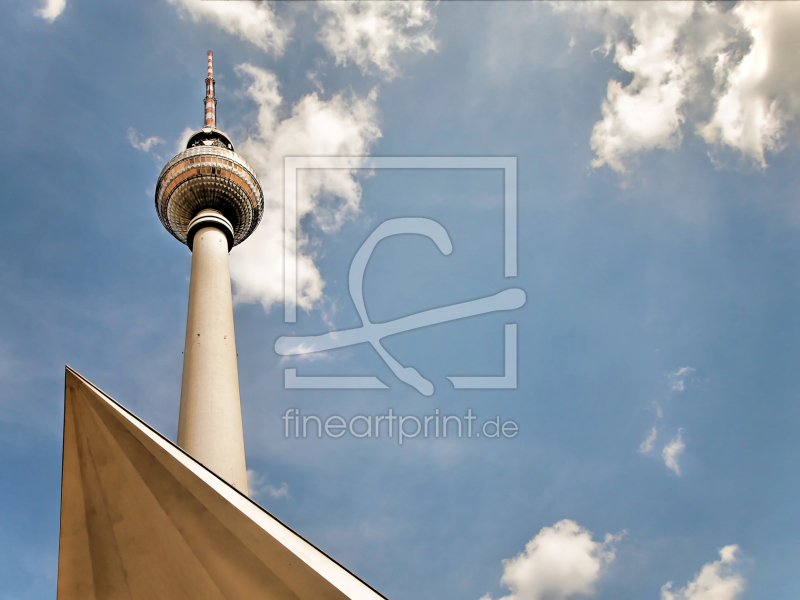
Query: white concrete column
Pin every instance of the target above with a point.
(210, 424)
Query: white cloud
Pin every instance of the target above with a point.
(258, 487)
(761, 93)
(728, 73)
(678, 378)
(561, 561)
(372, 32)
(306, 352)
(717, 580)
(672, 452)
(183, 139)
(255, 22)
(644, 114)
(646, 447)
(345, 125)
(142, 144)
(51, 9)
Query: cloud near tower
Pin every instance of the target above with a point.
(345, 125)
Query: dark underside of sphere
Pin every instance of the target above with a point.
(209, 177)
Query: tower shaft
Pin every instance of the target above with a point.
(210, 424)
(209, 198)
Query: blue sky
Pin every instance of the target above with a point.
(659, 248)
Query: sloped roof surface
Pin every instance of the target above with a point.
(141, 519)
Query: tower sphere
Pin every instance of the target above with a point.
(209, 176)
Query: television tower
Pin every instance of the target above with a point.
(140, 518)
(209, 198)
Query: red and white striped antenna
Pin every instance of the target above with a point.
(210, 100)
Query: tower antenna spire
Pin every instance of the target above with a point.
(210, 100)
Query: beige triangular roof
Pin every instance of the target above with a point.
(141, 519)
